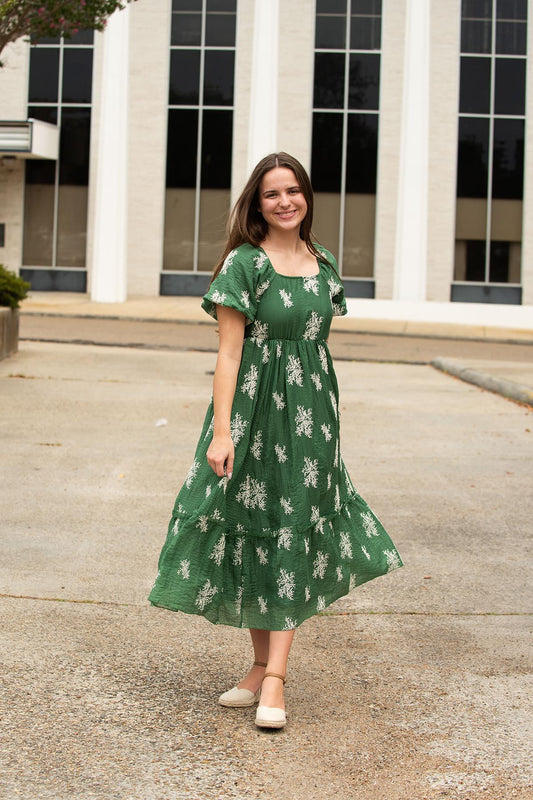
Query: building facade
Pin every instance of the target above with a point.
(412, 116)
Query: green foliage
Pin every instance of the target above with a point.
(12, 288)
(40, 18)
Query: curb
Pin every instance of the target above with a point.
(509, 389)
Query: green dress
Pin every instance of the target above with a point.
(288, 534)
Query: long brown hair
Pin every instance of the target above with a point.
(246, 224)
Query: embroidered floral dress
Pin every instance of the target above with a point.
(288, 534)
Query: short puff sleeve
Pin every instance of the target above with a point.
(234, 286)
(336, 289)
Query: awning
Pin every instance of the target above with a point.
(30, 138)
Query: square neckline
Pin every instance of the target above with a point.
(297, 277)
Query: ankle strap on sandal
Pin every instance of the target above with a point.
(259, 664)
(274, 675)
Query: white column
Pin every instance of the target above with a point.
(109, 267)
(412, 215)
(263, 121)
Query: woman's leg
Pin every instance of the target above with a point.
(278, 653)
(260, 641)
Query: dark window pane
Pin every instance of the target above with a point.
(44, 75)
(476, 36)
(366, 7)
(216, 149)
(82, 37)
(362, 156)
(511, 37)
(364, 81)
(218, 78)
(221, 5)
(184, 77)
(186, 29)
(44, 40)
(326, 158)
(220, 30)
(511, 9)
(365, 33)
(77, 75)
(475, 86)
(472, 157)
(499, 262)
(477, 9)
(330, 32)
(45, 113)
(40, 171)
(181, 148)
(186, 5)
(74, 146)
(475, 260)
(331, 6)
(329, 80)
(508, 159)
(510, 86)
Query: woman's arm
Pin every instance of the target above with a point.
(221, 452)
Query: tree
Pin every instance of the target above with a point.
(40, 18)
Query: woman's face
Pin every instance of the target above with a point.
(281, 200)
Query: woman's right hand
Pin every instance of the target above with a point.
(220, 455)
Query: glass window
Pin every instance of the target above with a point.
(216, 144)
(508, 159)
(477, 9)
(82, 37)
(329, 80)
(186, 29)
(372, 7)
(330, 31)
(326, 159)
(364, 81)
(331, 6)
(473, 157)
(220, 30)
(510, 86)
(184, 77)
(44, 75)
(499, 262)
(474, 91)
(186, 5)
(362, 154)
(77, 75)
(218, 77)
(476, 36)
(365, 33)
(511, 38)
(181, 148)
(221, 5)
(511, 9)
(45, 113)
(74, 146)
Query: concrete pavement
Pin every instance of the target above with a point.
(415, 687)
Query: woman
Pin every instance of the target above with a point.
(268, 529)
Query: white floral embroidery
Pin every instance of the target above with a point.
(286, 297)
(338, 310)
(317, 520)
(245, 299)
(205, 595)
(238, 600)
(252, 493)
(337, 455)
(285, 538)
(286, 584)
(279, 350)
(353, 581)
(279, 401)
(369, 524)
(334, 287)
(266, 353)
(286, 505)
(307, 594)
(312, 326)
(311, 283)
(262, 555)
(217, 553)
(290, 624)
(327, 432)
(280, 452)
(238, 426)
(217, 515)
(365, 551)
(263, 605)
(259, 332)
(304, 421)
(315, 377)
(176, 526)
(320, 564)
(310, 471)
(261, 289)
(346, 545)
(237, 551)
(191, 475)
(259, 260)
(333, 400)
(339, 574)
(203, 523)
(329, 481)
(294, 371)
(320, 603)
(185, 569)
(208, 490)
(223, 484)
(228, 262)
(306, 545)
(393, 560)
(249, 384)
(257, 445)
(323, 356)
(337, 499)
(218, 297)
